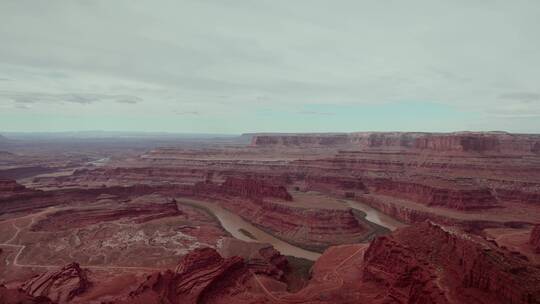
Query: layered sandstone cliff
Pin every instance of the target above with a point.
(428, 264)
(202, 276)
(298, 140)
(253, 188)
(535, 238)
(61, 286)
(310, 228)
(467, 142)
(451, 196)
(250, 188)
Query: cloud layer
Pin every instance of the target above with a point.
(235, 66)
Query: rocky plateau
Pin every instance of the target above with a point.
(365, 217)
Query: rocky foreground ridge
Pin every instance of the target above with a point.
(424, 263)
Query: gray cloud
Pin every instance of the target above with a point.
(521, 96)
(128, 99)
(243, 56)
(187, 113)
(22, 106)
(517, 116)
(315, 113)
(79, 98)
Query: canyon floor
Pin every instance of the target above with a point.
(271, 218)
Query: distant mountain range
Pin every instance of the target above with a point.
(112, 134)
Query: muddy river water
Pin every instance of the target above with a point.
(375, 216)
(234, 224)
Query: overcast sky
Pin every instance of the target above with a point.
(232, 66)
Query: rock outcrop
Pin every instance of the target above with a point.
(451, 196)
(17, 296)
(422, 263)
(259, 257)
(61, 286)
(535, 239)
(406, 278)
(428, 264)
(200, 275)
(254, 189)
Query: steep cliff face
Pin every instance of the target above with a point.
(299, 140)
(243, 187)
(463, 198)
(427, 264)
(459, 142)
(314, 229)
(201, 277)
(253, 188)
(403, 213)
(535, 239)
(335, 184)
(61, 286)
(406, 278)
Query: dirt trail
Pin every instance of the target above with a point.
(15, 262)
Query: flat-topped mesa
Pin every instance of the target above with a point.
(454, 197)
(60, 286)
(244, 187)
(299, 140)
(417, 261)
(458, 142)
(535, 238)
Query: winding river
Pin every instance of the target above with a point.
(233, 224)
(375, 216)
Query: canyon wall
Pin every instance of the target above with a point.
(535, 238)
(425, 263)
(203, 276)
(474, 142)
(452, 196)
(309, 228)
